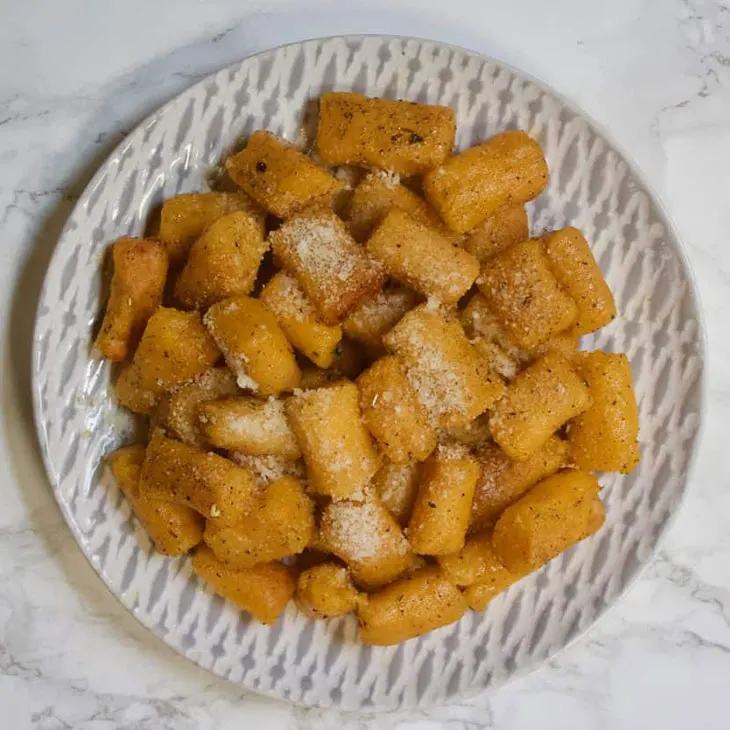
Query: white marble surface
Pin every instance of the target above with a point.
(76, 76)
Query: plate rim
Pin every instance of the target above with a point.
(673, 239)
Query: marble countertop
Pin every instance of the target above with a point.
(76, 76)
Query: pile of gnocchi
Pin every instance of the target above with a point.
(362, 375)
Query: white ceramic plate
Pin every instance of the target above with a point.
(592, 186)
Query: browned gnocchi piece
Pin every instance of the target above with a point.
(366, 537)
(253, 344)
(401, 136)
(441, 511)
(223, 262)
(140, 272)
(409, 608)
(393, 413)
(525, 296)
(423, 259)
(572, 262)
(507, 169)
(337, 450)
(280, 526)
(605, 437)
(335, 272)
(174, 349)
(173, 528)
(554, 515)
(325, 591)
(263, 590)
(451, 379)
(206, 482)
(540, 400)
(280, 178)
(185, 217)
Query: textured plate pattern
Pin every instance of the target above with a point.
(591, 187)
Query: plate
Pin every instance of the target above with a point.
(592, 186)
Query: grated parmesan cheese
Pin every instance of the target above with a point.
(267, 419)
(317, 247)
(266, 469)
(244, 381)
(363, 531)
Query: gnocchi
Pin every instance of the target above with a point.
(362, 382)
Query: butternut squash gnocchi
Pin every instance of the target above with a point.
(371, 402)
